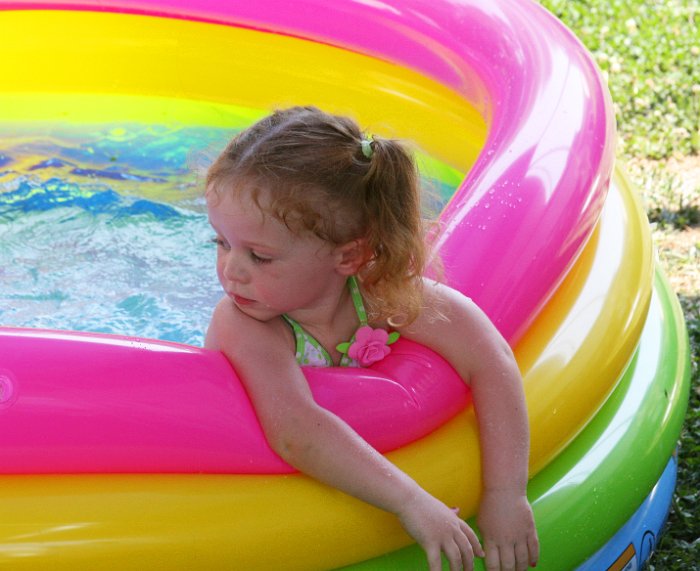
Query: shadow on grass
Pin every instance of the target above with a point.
(680, 218)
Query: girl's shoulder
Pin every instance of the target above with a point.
(239, 335)
(454, 326)
(446, 307)
(265, 366)
(442, 302)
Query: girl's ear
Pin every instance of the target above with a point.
(351, 256)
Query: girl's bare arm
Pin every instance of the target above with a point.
(471, 343)
(309, 437)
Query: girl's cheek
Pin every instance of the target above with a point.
(220, 263)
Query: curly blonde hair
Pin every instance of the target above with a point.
(325, 180)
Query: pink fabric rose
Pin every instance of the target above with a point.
(370, 346)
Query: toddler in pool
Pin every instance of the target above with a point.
(321, 255)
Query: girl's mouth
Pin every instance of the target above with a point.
(242, 300)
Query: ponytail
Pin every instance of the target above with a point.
(394, 233)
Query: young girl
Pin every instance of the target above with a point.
(320, 239)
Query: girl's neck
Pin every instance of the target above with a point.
(332, 318)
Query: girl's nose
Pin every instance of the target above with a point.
(234, 268)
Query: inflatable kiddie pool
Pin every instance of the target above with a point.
(128, 453)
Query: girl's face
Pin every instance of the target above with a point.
(265, 268)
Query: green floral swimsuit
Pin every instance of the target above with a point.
(366, 346)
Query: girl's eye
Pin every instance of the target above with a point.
(259, 259)
(220, 242)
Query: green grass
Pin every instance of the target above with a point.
(650, 54)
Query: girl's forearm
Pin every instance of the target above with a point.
(504, 436)
(324, 447)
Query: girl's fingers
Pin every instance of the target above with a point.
(519, 557)
(466, 551)
(454, 555)
(473, 540)
(492, 561)
(522, 557)
(533, 546)
(434, 559)
(507, 557)
(458, 552)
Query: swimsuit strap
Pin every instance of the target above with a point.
(357, 300)
(309, 351)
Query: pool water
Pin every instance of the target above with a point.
(103, 228)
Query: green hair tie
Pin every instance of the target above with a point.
(367, 149)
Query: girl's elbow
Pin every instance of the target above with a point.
(279, 440)
(283, 449)
(290, 439)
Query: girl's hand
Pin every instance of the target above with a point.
(438, 529)
(508, 528)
